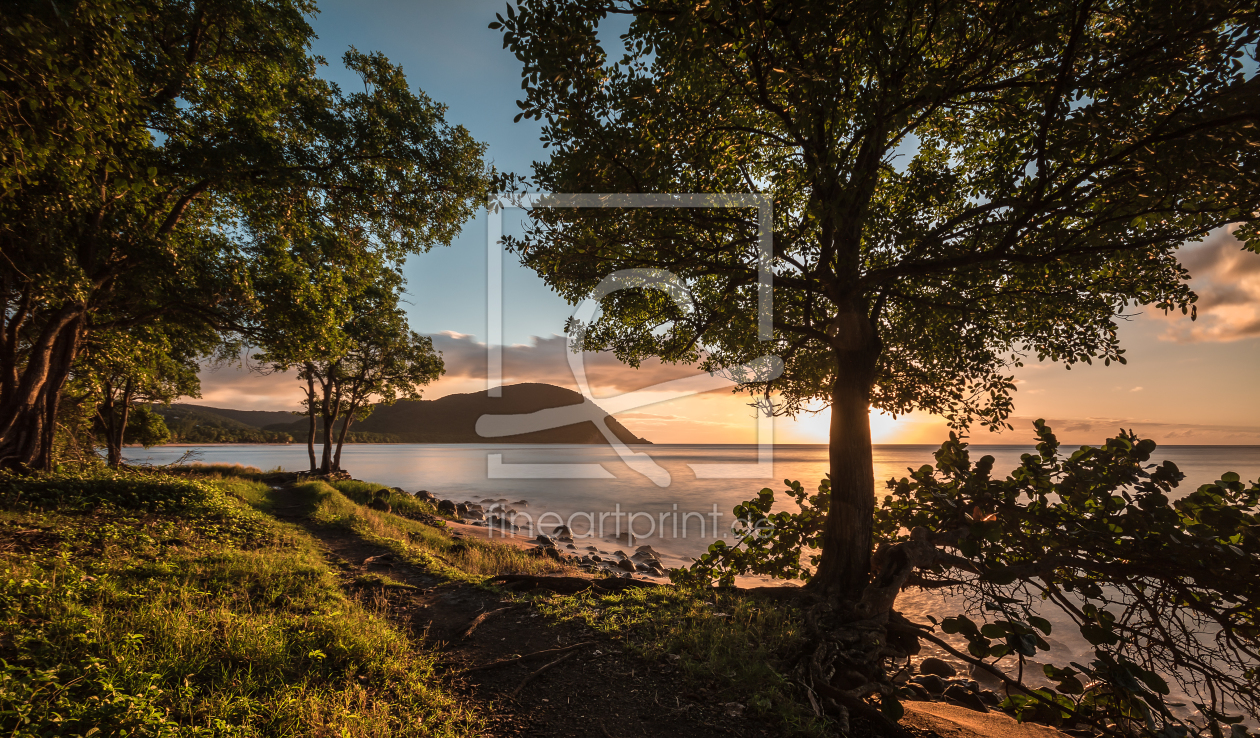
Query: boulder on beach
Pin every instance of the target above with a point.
(446, 507)
(939, 667)
(425, 495)
(626, 565)
(521, 503)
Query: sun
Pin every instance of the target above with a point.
(816, 427)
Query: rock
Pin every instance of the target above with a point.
(512, 511)
(620, 554)
(571, 546)
(626, 565)
(938, 667)
(733, 709)
(561, 530)
(462, 509)
(591, 548)
(919, 692)
(551, 553)
(545, 540)
(379, 504)
(446, 507)
(626, 538)
(425, 495)
(658, 570)
(930, 682)
(522, 503)
(399, 490)
(966, 698)
(642, 567)
(990, 698)
(476, 514)
(596, 558)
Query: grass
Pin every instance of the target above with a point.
(154, 606)
(727, 641)
(416, 543)
(402, 504)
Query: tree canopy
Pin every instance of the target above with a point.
(157, 152)
(957, 187)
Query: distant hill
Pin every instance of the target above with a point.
(198, 424)
(450, 419)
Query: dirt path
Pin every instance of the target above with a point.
(591, 690)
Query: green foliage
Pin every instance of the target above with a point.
(165, 607)
(1161, 587)
(158, 177)
(146, 428)
(767, 543)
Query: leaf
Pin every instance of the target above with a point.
(1039, 623)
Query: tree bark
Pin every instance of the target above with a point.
(331, 405)
(341, 438)
(110, 422)
(25, 435)
(122, 424)
(310, 414)
(845, 564)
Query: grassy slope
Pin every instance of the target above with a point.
(176, 606)
(162, 607)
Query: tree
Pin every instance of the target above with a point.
(126, 369)
(361, 350)
(156, 151)
(956, 186)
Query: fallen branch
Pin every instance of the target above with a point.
(525, 681)
(535, 654)
(481, 619)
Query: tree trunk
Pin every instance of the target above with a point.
(122, 424)
(25, 435)
(310, 413)
(845, 564)
(341, 438)
(64, 353)
(331, 405)
(108, 420)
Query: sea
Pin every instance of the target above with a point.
(676, 498)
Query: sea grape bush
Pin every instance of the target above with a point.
(1162, 587)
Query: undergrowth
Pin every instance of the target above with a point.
(144, 605)
(723, 639)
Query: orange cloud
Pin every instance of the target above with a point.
(1227, 279)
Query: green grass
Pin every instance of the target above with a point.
(155, 606)
(728, 641)
(402, 504)
(425, 546)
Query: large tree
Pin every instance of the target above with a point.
(146, 145)
(956, 186)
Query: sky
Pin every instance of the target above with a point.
(1185, 382)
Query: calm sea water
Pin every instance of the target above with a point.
(680, 519)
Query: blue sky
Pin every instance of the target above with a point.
(1185, 383)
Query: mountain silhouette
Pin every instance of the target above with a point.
(450, 419)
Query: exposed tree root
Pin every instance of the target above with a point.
(566, 585)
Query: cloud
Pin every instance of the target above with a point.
(546, 360)
(1097, 430)
(1137, 389)
(1227, 280)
